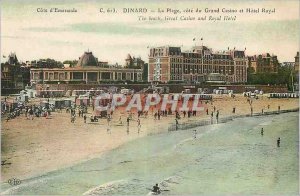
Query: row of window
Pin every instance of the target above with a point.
(176, 66)
(214, 61)
(79, 76)
(241, 63)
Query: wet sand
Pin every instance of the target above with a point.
(34, 147)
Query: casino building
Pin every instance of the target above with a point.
(167, 64)
(87, 71)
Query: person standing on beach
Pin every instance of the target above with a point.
(233, 110)
(31, 113)
(217, 116)
(189, 114)
(176, 123)
(84, 118)
(251, 110)
(279, 108)
(211, 117)
(72, 118)
(262, 132)
(128, 121)
(139, 125)
(195, 134)
(26, 113)
(278, 142)
(206, 111)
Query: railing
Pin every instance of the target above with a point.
(190, 125)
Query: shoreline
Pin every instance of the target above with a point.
(226, 119)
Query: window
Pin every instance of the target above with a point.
(55, 76)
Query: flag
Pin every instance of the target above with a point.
(194, 39)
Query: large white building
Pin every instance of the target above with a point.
(86, 71)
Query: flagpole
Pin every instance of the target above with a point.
(292, 81)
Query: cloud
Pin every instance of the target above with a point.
(35, 35)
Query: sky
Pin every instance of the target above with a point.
(111, 36)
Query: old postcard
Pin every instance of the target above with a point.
(119, 97)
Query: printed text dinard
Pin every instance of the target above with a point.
(198, 10)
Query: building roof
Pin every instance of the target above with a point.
(87, 59)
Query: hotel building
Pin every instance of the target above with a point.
(264, 63)
(170, 64)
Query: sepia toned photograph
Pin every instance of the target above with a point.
(119, 97)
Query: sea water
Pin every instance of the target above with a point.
(232, 158)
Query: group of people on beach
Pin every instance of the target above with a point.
(30, 111)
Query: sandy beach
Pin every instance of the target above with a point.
(34, 147)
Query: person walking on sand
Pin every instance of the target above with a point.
(262, 132)
(206, 111)
(195, 134)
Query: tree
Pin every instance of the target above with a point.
(283, 77)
